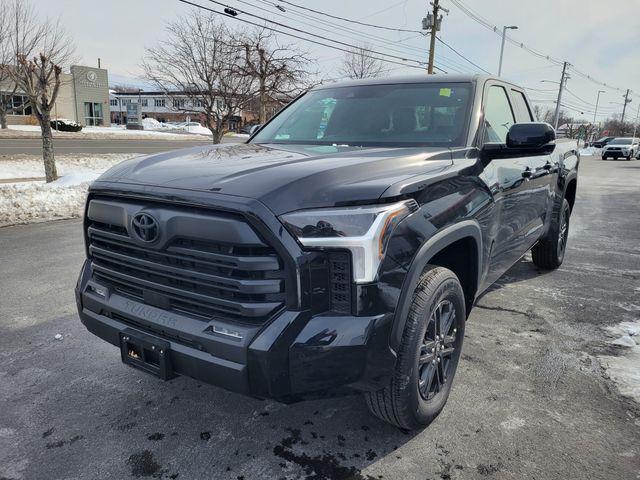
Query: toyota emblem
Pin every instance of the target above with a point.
(145, 227)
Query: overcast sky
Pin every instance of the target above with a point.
(601, 39)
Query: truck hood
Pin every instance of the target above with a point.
(284, 177)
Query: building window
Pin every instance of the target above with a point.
(178, 103)
(144, 102)
(113, 102)
(19, 105)
(158, 102)
(93, 114)
(198, 103)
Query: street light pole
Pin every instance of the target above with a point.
(504, 37)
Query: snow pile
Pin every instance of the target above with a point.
(624, 370)
(31, 201)
(165, 132)
(197, 129)
(190, 127)
(588, 152)
(152, 124)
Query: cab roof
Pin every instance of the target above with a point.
(421, 78)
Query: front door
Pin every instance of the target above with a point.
(516, 187)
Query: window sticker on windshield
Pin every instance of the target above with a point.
(445, 92)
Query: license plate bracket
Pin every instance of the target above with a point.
(147, 353)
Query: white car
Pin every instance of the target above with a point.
(626, 147)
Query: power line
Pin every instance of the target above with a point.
(450, 64)
(600, 107)
(335, 27)
(348, 19)
(187, 2)
(445, 61)
(237, 10)
(487, 24)
(569, 106)
(460, 55)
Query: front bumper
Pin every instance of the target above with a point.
(294, 356)
(616, 153)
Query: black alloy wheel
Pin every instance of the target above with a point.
(438, 346)
(428, 353)
(563, 231)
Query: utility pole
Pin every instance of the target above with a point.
(504, 37)
(597, 101)
(635, 124)
(432, 22)
(563, 80)
(624, 109)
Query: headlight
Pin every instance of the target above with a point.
(365, 231)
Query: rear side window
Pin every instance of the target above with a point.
(498, 115)
(523, 112)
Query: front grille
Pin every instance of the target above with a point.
(200, 277)
(340, 282)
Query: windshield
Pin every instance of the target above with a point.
(427, 114)
(620, 141)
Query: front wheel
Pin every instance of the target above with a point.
(428, 354)
(548, 253)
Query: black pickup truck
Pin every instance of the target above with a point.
(340, 249)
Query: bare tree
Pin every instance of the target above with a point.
(358, 63)
(280, 72)
(39, 79)
(198, 60)
(19, 35)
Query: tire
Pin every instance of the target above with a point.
(604, 158)
(407, 401)
(548, 253)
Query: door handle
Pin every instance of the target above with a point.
(528, 173)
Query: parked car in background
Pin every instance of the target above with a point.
(626, 147)
(249, 128)
(601, 142)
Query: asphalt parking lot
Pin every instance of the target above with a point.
(531, 398)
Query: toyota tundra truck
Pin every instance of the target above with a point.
(340, 249)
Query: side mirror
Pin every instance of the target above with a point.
(523, 139)
(531, 138)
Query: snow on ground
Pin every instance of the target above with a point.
(118, 131)
(34, 201)
(624, 369)
(589, 151)
(152, 128)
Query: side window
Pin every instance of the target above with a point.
(523, 112)
(498, 116)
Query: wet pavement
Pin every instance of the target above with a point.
(531, 399)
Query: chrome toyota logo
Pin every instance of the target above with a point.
(145, 227)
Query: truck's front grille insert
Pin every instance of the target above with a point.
(204, 278)
(340, 282)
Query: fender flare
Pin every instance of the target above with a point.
(439, 241)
